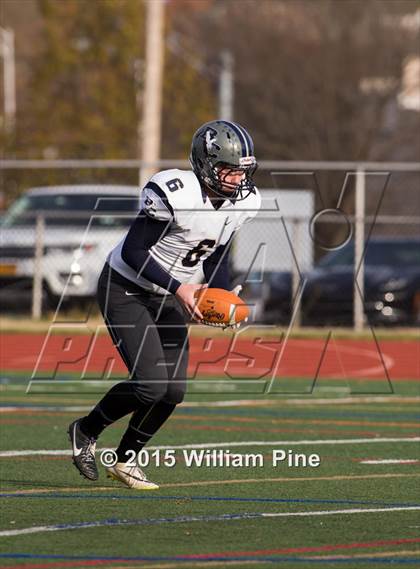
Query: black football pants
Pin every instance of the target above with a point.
(151, 336)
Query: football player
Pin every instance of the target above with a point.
(180, 238)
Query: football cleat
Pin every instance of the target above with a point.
(131, 476)
(83, 451)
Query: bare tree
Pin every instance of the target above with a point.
(314, 80)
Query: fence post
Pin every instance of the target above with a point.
(37, 277)
(296, 257)
(359, 244)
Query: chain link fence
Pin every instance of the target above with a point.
(312, 288)
(300, 264)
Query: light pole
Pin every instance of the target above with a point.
(226, 92)
(7, 50)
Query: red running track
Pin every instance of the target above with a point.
(237, 358)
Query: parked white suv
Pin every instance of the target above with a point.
(82, 224)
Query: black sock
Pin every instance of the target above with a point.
(120, 400)
(144, 423)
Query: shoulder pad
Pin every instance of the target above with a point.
(154, 202)
(179, 189)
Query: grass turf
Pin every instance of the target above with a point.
(216, 511)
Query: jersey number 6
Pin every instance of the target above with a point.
(174, 185)
(193, 257)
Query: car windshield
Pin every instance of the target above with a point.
(72, 209)
(390, 253)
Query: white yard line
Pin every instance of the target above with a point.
(339, 512)
(189, 519)
(310, 399)
(234, 444)
(60, 408)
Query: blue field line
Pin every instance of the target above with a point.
(295, 413)
(62, 495)
(175, 559)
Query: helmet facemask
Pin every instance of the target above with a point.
(222, 159)
(221, 173)
(214, 176)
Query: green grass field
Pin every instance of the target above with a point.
(342, 513)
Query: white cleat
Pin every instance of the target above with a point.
(131, 476)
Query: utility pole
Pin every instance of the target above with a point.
(226, 86)
(7, 47)
(149, 131)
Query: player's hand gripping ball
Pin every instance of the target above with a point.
(221, 308)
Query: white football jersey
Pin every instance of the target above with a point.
(195, 230)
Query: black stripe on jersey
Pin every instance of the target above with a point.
(159, 192)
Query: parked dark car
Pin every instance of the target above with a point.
(391, 283)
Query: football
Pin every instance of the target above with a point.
(220, 307)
